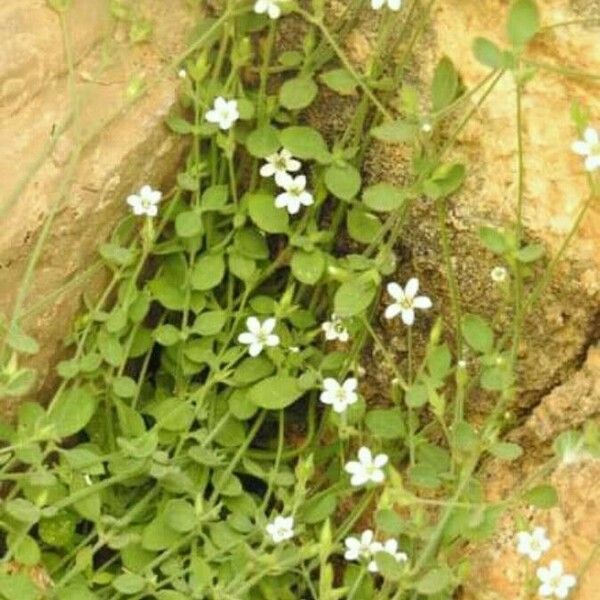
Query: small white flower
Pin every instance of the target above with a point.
(294, 349)
(367, 468)
(295, 193)
(406, 300)
(281, 529)
(335, 330)
(462, 364)
(554, 581)
(359, 548)
(589, 147)
(499, 274)
(182, 73)
(533, 544)
(391, 4)
(259, 335)
(426, 127)
(279, 164)
(145, 202)
(224, 112)
(339, 396)
(271, 7)
(391, 547)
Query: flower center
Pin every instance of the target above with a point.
(340, 394)
(262, 337)
(145, 203)
(280, 164)
(406, 303)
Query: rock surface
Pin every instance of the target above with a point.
(122, 146)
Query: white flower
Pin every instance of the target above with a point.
(406, 300)
(391, 547)
(426, 127)
(259, 335)
(392, 4)
(367, 468)
(339, 396)
(271, 7)
(498, 274)
(145, 201)
(357, 549)
(335, 330)
(224, 113)
(279, 164)
(554, 581)
(281, 529)
(589, 147)
(182, 73)
(295, 193)
(533, 544)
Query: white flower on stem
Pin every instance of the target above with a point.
(367, 468)
(340, 397)
(533, 544)
(279, 164)
(281, 529)
(390, 547)
(360, 548)
(259, 335)
(406, 300)
(589, 147)
(271, 7)
(499, 274)
(391, 4)
(182, 73)
(145, 202)
(224, 113)
(295, 194)
(335, 330)
(554, 581)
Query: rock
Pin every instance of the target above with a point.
(124, 146)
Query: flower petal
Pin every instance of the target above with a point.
(395, 291)
(408, 316)
(412, 287)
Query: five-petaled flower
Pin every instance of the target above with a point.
(145, 202)
(295, 194)
(279, 164)
(271, 7)
(554, 581)
(367, 468)
(390, 547)
(533, 544)
(335, 330)
(589, 147)
(259, 335)
(281, 529)
(339, 396)
(406, 300)
(224, 113)
(391, 4)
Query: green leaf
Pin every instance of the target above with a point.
(384, 197)
(275, 392)
(180, 515)
(343, 181)
(22, 510)
(110, 348)
(263, 141)
(487, 53)
(117, 255)
(308, 267)
(251, 243)
(253, 369)
(353, 297)
(389, 521)
(416, 395)
(386, 423)
(210, 322)
(188, 224)
(167, 335)
(129, 583)
(18, 340)
(523, 22)
(318, 509)
(179, 125)
(362, 226)
(530, 253)
(340, 81)
(395, 132)
(496, 378)
(298, 93)
(242, 267)
(493, 239)
(477, 333)
(208, 272)
(18, 586)
(465, 437)
(444, 87)
(305, 143)
(445, 180)
(266, 215)
(541, 496)
(72, 411)
(214, 198)
(434, 581)
(506, 450)
(124, 387)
